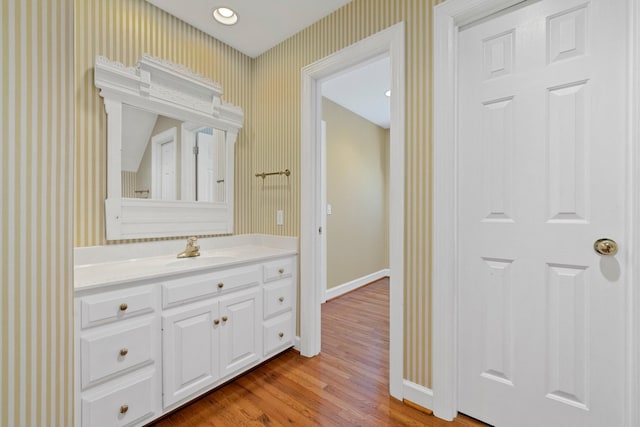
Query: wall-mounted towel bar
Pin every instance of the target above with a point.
(263, 175)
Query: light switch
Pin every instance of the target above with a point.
(328, 209)
(280, 217)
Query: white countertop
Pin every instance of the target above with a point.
(117, 264)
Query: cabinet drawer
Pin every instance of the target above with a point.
(279, 269)
(278, 334)
(117, 305)
(208, 285)
(124, 405)
(105, 355)
(278, 298)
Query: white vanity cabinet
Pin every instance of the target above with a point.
(118, 347)
(145, 347)
(206, 341)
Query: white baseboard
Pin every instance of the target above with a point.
(418, 394)
(355, 284)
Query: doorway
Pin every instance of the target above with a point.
(390, 42)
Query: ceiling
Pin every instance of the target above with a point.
(361, 90)
(262, 24)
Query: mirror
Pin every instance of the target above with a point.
(170, 150)
(164, 158)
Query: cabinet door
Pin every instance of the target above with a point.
(241, 333)
(190, 341)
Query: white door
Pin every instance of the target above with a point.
(207, 165)
(542, 119)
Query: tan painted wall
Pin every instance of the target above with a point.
(36, 248)
(356, 186)
(277, 142)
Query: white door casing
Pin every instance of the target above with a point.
(576, 270)
(389, 41)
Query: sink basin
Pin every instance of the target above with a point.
(199, 261)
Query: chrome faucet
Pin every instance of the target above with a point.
(192, 249)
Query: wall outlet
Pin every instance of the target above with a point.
(328, 209)
(280, 218)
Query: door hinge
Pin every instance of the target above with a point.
(320, 230)
(195, 150)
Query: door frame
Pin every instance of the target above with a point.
(448, 17)
(390, 41)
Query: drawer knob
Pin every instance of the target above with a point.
(281, 299)
(124, 352)
(281, 270)
(124, 409)
(123, 307)
(216, 321)
(281, 334)
(225, 318)
(220, 285)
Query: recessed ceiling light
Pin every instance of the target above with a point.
(225, 16)
(388, 93)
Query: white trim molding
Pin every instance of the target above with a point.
(387, 42)
(448, 17)
(420, 395)
(354, 284)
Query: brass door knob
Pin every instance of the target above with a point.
(124, 352)
(124, 409)
(605, 246)
(123, 307)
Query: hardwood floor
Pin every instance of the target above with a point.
(346, 385)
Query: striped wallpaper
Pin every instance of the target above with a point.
(36, 249)
(277, 143)
(268, 89)
(122, 30)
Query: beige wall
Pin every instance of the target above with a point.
(36, 175)
(268, 89)
(277, 142)
(356, 186)
(122, 30)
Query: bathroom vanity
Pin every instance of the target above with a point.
(153, 331)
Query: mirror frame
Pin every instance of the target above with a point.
(172, 90)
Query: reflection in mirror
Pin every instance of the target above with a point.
(166, 159)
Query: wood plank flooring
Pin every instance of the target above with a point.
(346, 385)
